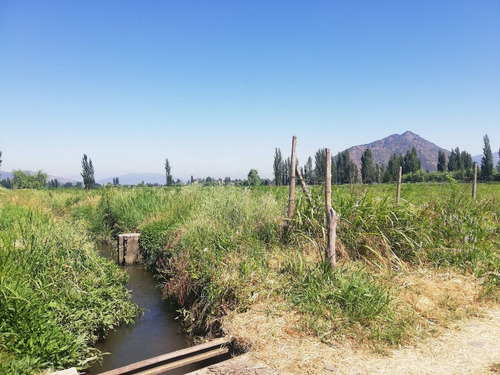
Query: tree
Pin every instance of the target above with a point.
(498, 164)
(278, 167)
(346, 170)
(441, 167)
(285, 171)
(453, 161)
(411, 161)
(23, 180)
(368, 173)
(253, 178)
(320, 166)
(466, 160)
(168, 175)
(6, 183)
(487, 160)
(392, 171)
(87, 172)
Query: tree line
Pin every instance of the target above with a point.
(345, 171)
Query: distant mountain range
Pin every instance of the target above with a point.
(61, 180)
(137, 178)
(127, 179)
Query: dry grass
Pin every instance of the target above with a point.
(271, 331)
(437, 297)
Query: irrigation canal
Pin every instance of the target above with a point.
(154, 333)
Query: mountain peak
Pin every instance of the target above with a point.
(399, 143)
(409, 133)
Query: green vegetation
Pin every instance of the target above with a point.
(217, 249)
(57, 296)
(87, 172)
(168, 175)
(23, 180)
(253, 178)
(225, 249)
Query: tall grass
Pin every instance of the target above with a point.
(220, 249)
(57, 296)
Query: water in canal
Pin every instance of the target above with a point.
(154, 333)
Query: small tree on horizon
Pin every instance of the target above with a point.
(168, 175)
(487, 160)
(253, 178)
(320, 165)
(87, 172)
(278, 167)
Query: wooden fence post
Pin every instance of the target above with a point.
(304, 186)
(328, 181)
(399, 185)
(331, 215)
(291, 198)
(474, 184)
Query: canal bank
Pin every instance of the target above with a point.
(155, 331)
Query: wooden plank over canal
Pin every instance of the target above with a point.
(179, 358)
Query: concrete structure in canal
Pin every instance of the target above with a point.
(128, 248)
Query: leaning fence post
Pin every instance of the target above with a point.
(304, 186)
(399, 185)
(331, 215)
(474, 184)
(291, 198)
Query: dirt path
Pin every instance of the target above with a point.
(470, 349)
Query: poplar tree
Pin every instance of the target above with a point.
(167, 173)
(278, 167)
(487, 159)
(392, 171)
(87, 172)
(441, 166)
(347, 171)
(466, 160)
(320, 165)
(367, 168)
(411, 161)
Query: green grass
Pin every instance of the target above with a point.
(57, 296)
(220, 249)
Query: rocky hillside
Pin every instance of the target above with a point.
(400, 143)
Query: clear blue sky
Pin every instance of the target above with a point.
(215, 86)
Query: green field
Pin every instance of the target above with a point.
(219, 251)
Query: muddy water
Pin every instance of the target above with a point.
(154, 333)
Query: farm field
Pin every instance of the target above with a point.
(231, 263)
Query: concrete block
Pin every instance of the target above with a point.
(128, 248)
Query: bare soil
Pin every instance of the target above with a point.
(471, 346)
